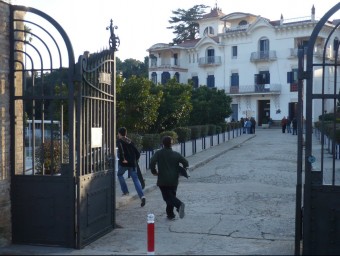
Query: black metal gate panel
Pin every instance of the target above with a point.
(95, 146)
(318, 225)
(62, 135)
(42, 142)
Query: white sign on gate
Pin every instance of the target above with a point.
(96, 137)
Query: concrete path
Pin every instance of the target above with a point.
(240, 200)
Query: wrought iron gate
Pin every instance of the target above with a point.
(318, 223)
(62, 135)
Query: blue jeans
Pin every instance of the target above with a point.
(133, 174)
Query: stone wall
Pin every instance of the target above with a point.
(5, 205)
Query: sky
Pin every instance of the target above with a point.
(143, 23)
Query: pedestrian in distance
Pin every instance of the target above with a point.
(289, 122)
(284, 124)
(294, 124)
(128, 156)
(247, 124)
(167, 173)
(253, 125)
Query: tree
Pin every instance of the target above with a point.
(131, 67)
(136, 106)
(210, 106)
(175, 106)
(186, 23)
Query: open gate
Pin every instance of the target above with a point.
(62, 135)
(318, 222)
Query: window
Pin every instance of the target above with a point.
(154, 77)
(234, 52)
(211, 81)
(234, 83)
(234, 79)
(195, 81)
(165, 77)
(208, 31)
(262, 78)
(175, 59)
(292, 79)
(153, 60)
(264, 48)
(243, 22)
(210, 56)
(176, 76)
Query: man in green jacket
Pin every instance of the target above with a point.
(167, 162)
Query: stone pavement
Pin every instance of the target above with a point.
(240, 200)
(195, 161)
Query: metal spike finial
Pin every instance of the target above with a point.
(114, 40)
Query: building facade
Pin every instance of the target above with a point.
(254, 59)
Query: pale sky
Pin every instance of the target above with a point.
(142, 23)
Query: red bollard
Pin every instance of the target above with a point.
(151, 234)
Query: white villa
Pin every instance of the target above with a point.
(252, 58)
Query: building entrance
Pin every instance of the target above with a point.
(263, 111)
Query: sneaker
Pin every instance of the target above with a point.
(143, 202)
(125, 194)
(181, 211)
(171, 217)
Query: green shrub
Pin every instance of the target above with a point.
(151, 141)
(45, 152)
(211, 129)
(204, 130)
(137, 140)
(218, 129)
(172, 134)
(195, 132)
(223, 127)
(184, 134)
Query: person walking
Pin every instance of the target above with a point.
(253, 125)
(294, 124)
(289, 130)
(283, 124)
(167, 162)
(128, 156)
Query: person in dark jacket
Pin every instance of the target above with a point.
(128, 156)
(167, 162)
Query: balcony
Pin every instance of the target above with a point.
(255, 89)
(165, 64)
(210, 61)
(263, 56)
(318, 53)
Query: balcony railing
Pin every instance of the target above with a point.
(165, 64)
(263, 56)
(210, 61)
(255, 89)
(318, 53)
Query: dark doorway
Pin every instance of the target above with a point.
(263, 111)
(292, 109)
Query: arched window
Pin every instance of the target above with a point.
(154, 77)
(177, 76)
(208, 31)
(165, 77)
(242, 23)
